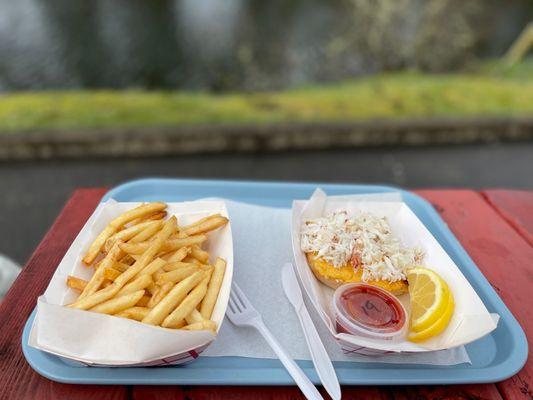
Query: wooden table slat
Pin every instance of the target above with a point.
(17, 379)
(516, 207)
(504, 257)
(493, 244)
(249, 392)
(462, 392)
(466, 392)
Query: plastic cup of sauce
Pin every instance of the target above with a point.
(369, 311)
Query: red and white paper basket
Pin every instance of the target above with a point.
(470, 320)
(103, 340)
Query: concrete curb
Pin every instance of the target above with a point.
(287, 136)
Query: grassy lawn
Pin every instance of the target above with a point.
(488, 90)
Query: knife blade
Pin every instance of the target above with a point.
(319, 355)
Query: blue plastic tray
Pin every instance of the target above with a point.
(494, 357)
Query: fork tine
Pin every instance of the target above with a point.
(240, 296)
(238, 290)
(237, 301)
(233, 304)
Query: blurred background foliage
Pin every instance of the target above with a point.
(245, 45)
(490, 90)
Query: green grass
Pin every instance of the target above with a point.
(488, 90)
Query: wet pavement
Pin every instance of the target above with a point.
(34, 192)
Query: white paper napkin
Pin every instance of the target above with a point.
(262, 244)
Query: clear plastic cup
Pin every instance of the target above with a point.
(369, 311)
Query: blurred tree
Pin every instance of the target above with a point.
(144, 40)
(242, 44)
(211, 31)
(149, 53)
(448, 34)
(433, 35)
(268, 26)
(522, 45)
(75, 29)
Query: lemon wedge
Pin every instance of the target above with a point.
(438, 326)
(429, 296)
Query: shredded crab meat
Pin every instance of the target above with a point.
(364, 241)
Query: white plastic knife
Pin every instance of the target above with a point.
(319, 355)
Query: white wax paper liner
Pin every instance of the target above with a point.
(470, 320)
(93, 338)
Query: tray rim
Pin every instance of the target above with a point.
(493, 373)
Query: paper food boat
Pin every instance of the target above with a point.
(470, 320)
(99, 339)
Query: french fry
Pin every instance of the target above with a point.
(76, 283)
(118, 304)
(140, 219)
(139, 283)
(105, 294)
(208, 304)
(128, 259)
(147, 233)
(120, 266)
(177, 317)
(106, 283)
(172, 299)
(151, 217)
(111, 273)
(169, 245)
(117, 223)
(143, 302)
(156, 275)
(191, 260)
(171, 266)
(206, 325)
(97, 245)
(198, 222)
(152, 271)
(194, 316)
(128, 233)
(181, 235)
(177, 275)
(209, 224)
(156, 216)
(137, 313)
(98, 277)
(199, 254)
(154, 266)
(160, 293)
(205, 267)
(152, 288)
(179, 254)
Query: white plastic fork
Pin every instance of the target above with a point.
(242, 313)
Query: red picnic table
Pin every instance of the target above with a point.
(494, 226)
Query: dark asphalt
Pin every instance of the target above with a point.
(34, 192)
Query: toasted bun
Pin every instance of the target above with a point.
(332, 283)
(396, 288)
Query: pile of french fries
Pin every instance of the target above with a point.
(152, 270)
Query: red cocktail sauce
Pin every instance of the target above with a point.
(369, 311)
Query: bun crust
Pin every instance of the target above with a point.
(396, 288)
(331, 282)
